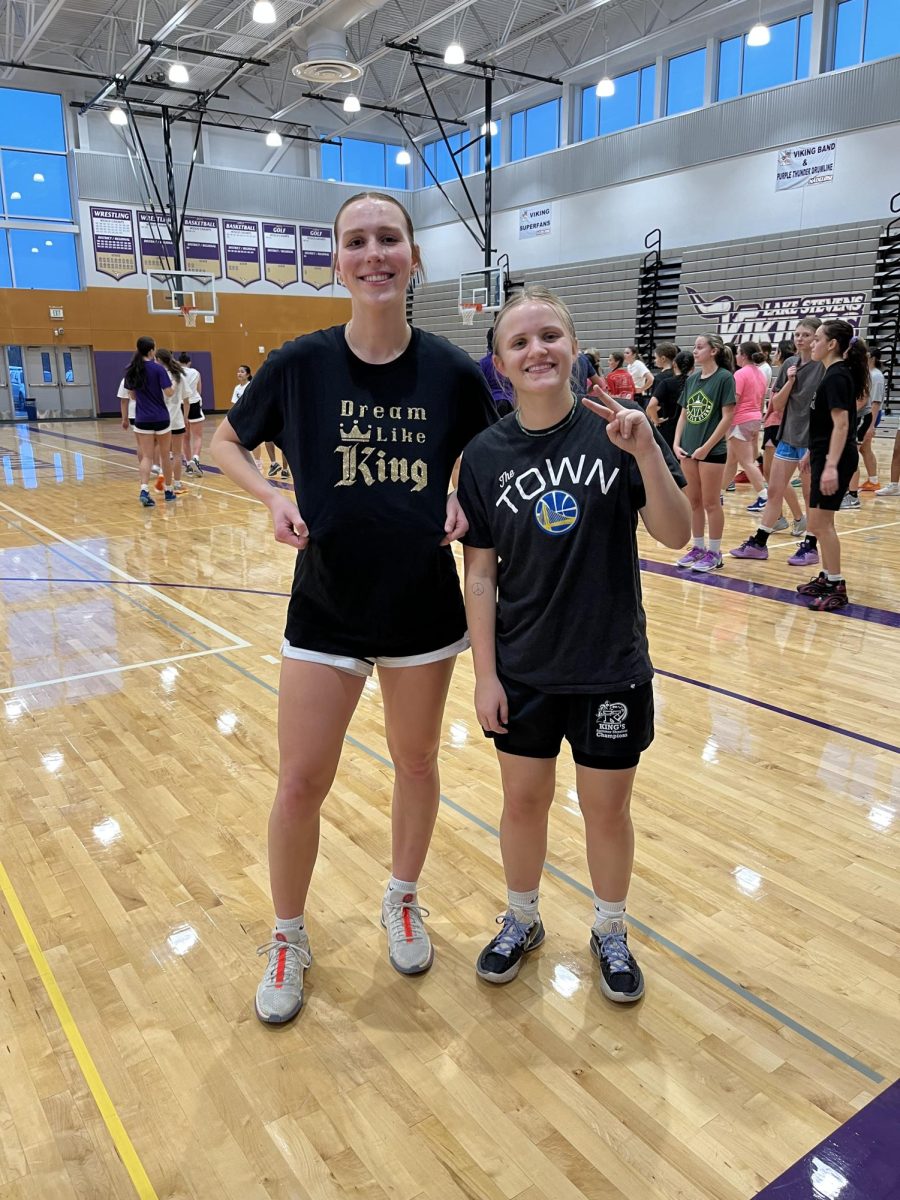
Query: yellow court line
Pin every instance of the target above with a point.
(121, 1140)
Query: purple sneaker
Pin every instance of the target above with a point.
(749, 549)
(691, 557)
(709, 561)
(803, 556)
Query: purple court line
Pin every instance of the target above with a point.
(709, 687)
(858, 612)
(859, 1161)
(749, 587)
(67, 437)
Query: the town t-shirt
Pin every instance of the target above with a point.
(371, 449)
(560, 509)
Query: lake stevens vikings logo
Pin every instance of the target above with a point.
(612, 717)
(775, 319)
(556, 512)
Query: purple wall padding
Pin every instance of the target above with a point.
(109, 367)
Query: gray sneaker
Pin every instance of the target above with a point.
(280, 995)
(780, 524)
(851, 502)
(409, 946)
(798, 527)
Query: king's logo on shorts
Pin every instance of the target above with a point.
(612, 717)
(556, 512)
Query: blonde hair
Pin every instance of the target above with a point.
(536, 293)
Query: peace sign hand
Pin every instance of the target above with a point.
(627, 428)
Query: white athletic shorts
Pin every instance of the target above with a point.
(364, 667)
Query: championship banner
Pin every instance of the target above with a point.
(202, 251)
(280, 253)
(803, 166)
(316, 257)
(157, 250)
(774, 319)
(241, 251)
(535, 221)
(112, 234)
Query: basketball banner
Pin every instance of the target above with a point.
(157, 250)
(202, 251)
(242, 262)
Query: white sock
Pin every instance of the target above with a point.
(399, 889)
(835, 578)
(606, 911)
(524, 904)
(873, 479)
(764, 495)
(291, 927)
(715, 545)
(698, 543)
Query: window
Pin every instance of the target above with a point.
(31, 120)
(5, 276)
(686, 82)
(535, 130)
(744, 69)
(359, 161)
(865, 30)
(496, 146)
(44, 259)
(36, 185)
(437, 156)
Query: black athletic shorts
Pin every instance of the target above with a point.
(847, 466)
(195, 411)
(770, 435)
(718, 458)
(606, 731)
(153, 427)
(863, 425)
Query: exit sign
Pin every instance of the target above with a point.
(56, 314)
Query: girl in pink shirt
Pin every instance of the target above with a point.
(750, 389)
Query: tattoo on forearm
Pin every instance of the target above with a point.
(477, 589)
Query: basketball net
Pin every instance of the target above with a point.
(467, 313)
(190, 317)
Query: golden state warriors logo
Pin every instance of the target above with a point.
(699, 408)
(556, 512)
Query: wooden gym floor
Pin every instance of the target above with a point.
(139, 676)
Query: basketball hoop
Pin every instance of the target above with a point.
(467, 313)
(190, 316)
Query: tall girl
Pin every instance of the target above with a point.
(553, 597)
(833, 457)
(371, 418)
(707, 405)
(150, 387)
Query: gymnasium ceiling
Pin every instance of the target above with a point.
(569, 39)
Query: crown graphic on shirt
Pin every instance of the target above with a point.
(355, 434)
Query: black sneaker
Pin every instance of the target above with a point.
(815, 587)
(501, 958)
(832, 598)
(147, 500)
(274, 470)
(620, 976)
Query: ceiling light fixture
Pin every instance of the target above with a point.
(264, 13)
(454, 55)
(606, 88)
(351, 104)
(403, 159)
(178, 73)
(273, 138)
(759, 35)
(494, 130)
(118, 116)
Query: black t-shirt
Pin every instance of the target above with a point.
(667, 387)
(371, 449)
(835, 392)
(560, 509)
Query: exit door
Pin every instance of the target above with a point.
(60, 381)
